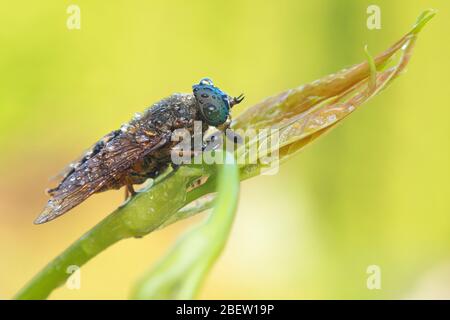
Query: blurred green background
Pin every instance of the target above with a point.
(372, 192)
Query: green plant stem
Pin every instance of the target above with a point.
(140, 216)
(149, 210)
(180, 273)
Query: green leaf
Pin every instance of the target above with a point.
(305, 113)
(179, 274)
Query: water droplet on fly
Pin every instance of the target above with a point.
(125, 127)
(52, 205)
(142, 138)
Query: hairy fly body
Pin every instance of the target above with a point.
(140, 149)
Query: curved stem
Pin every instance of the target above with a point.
(138, 217)
(181, 272)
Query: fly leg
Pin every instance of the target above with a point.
(129, 190)
(131, 179)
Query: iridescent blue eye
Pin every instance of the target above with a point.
(213, 102)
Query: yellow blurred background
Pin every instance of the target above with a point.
(372, 192)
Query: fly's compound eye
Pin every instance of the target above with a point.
(213, 102)
(214, 114)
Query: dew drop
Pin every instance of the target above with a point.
(331, 118)
(52, 205)
(142, 138)
(125, 127)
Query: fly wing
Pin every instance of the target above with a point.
(108, 165)
(89, 153)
